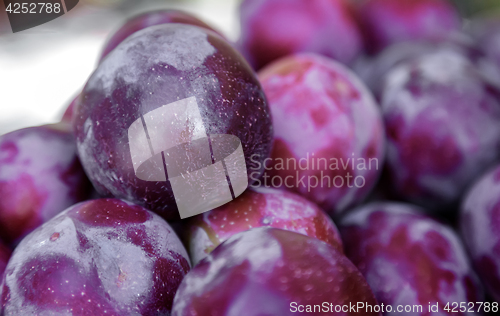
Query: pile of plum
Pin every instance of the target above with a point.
(371, 138)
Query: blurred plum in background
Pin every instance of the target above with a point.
(40, 176)
(373, 69)
(486, 31)
(271, 29)
(100, 257)
(148, 19)
(264, 270)
(443, 127)
(480, 228)
(255, 208)
(328, 131)
(408, 258)
(385, 22)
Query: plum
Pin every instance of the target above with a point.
(329, 136)
(5, 253)
(183, 83)
(255, 208)
(70, 110)
(486, 31)
(148, 19)
(374, 69)
(40, 176)
(100, 257)
(271, 29)
(270, 271)
(385, 22)
(443, 128)
(408, 258)
(479, 223)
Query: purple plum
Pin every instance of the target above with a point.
(374, 69)
(40, 176)
(479, 223)
(385, 22)
(270, 271)
(100, 257)
(443, 127)
(409, 259)
(256, 208)
(183, 83)
(329, 135)
(271, 29)
(70, 110)
(486, 31)
(148, 19)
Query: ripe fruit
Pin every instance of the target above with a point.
(70, 110)
(264, 270)
(4, 258)
(271, 29)
(486, 32)
(479, 223)
(374, 70)
(152, 69)
(385, 22)
(256, 208)
(40, 176)
(148, 19)
(101, 257)
(443, 127)
(409, 258)
(328, 131)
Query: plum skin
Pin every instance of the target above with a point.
(70, 110)
(148, 19)
(321, 110)
(443, 128)
(479, 220)
(426, 259)
(373, 70)
(262, 270)
(136, 78)
(5, 253)
(486, 32)
(98, 257)
(386, 22)
(40, 176)
(271, 29)
(256, 208)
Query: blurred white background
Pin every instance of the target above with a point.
(42, 69)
